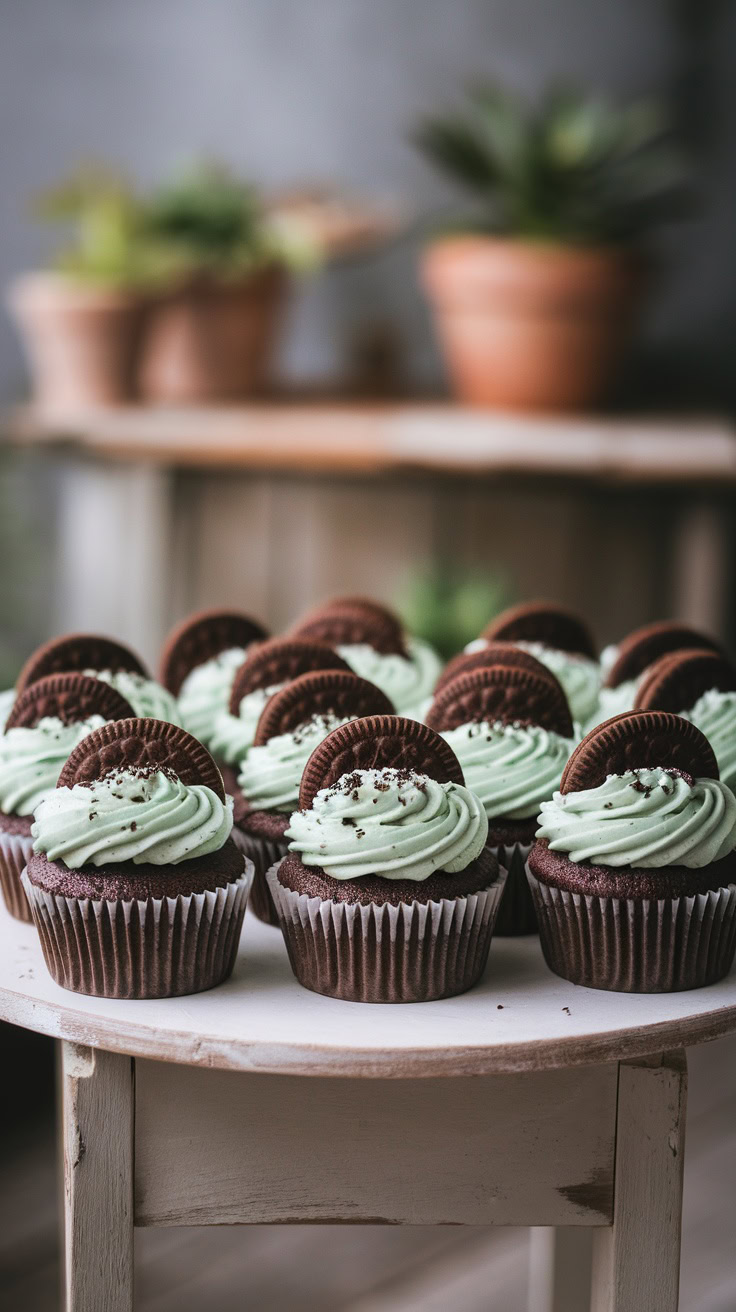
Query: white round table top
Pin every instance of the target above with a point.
(520, 1017)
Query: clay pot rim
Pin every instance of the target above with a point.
(532, 247)
(46, 287)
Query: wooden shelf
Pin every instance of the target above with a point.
(378, 438)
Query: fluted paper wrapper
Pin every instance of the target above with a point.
(263, 852)
(516, 914)
(16, 851)
(157, 948)
(630, 945)
(413, 952)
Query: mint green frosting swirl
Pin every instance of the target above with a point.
(579, 676)
(715, 715)
(232, 735)
(271, 773)
(31, 760)
(647, 818)
(205, 693)
(149, 699)
(124, 817)
(613, 701)
(7, 697)
(406, 681)
(389, 823)
(512, 768)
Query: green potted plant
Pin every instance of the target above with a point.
(534, 291)
(80, 320)
(222, 264)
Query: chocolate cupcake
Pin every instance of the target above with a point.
(371, 638)
(624, 665)
(506, 718)
(135, 885)
(46, 723)
(388, 892)
(199, 662)
(633, 872)
(560, 641)
(105, 659)
(293, 722)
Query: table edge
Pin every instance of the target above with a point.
(186, 1049)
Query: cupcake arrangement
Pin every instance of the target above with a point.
(387, 815)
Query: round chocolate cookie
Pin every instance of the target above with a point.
(78, 651)
(71, 698)
(141, 746)
(202, 636)
(376, 889)
(280, 660)
(509, 693)
(644, 646)
(496, 653)
(676, 681)
(336, 692)
(351, 621)
(638, 740)
(378, 742)
(541, 621)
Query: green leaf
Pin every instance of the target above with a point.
(456, 148)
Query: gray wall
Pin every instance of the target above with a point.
(309, 89)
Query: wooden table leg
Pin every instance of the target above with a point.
(97, 1128)
(636, 1261)
(559, 1269)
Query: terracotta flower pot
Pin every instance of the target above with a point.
(80, 340)
(211, 341)
(527, 325)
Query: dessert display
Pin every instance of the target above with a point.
(45, 724)
(634, 871)
(627, 662)
(507, 720)
(135, 885)
(199, 662)
(388, 892)
(293, 722)
(105, 659)
(388, 825)
(373, 642)
(560, 640)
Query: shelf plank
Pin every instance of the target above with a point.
(372, 438)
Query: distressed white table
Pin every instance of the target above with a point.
(525, 1102)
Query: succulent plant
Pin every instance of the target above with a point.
(207, 221)
(449, 606)
(203, 222)
(571, 168)
(102, 214)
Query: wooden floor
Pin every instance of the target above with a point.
(371, 1268)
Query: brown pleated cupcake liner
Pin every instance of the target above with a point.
(627, 945)
(263, 852)
(16, 851)
(516, 915)
(158, 948)
(414, 952)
